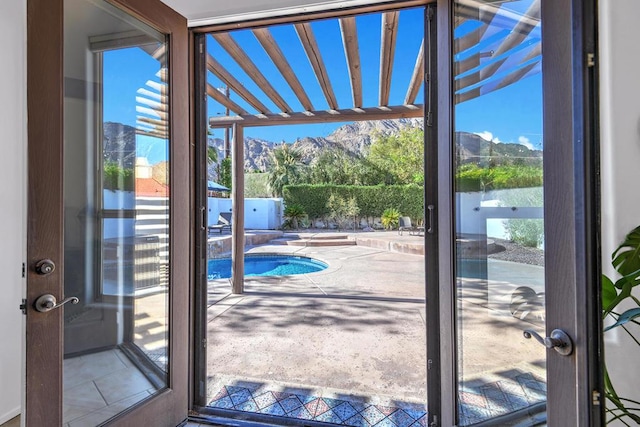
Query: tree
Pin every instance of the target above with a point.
(286, 164)
(400, 155)
(225, 172)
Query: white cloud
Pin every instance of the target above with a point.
(488, 136)
(523, 140)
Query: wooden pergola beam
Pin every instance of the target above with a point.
(227, 78)
(520, 32)
(509, 79)
(153, 122)
(239, 55)
(387, 51)
(155, 134)
(225, 100)
(332, 116)
(152, 103)
(160, 98)
(416, 78)
(273, 50)
(308, 40)
(163, 115)
(352, 53)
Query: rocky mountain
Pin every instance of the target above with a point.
(119, 144)
(357, 137)
(354, 138)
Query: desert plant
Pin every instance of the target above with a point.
(390, 218)
(342, 211)
(294, 214)
(626, 261)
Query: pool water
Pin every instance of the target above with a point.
(265, 265)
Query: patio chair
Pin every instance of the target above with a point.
(224, 222)
(404, 224)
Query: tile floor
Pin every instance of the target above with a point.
(99, 386)
(317, 408)
(477, 404)
(500, 398)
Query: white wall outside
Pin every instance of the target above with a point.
(620, 161)
(13, 122)
(259, 213)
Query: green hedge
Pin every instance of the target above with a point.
(474, 178)
(372, 200)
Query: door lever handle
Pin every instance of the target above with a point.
(48, 302)
(559, 340)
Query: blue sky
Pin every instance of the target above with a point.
(511, 114)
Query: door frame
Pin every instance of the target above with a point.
(45, 100)
(571, 207)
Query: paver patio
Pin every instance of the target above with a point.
(356, 333)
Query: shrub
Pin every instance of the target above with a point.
(294, 214)
(343, 211)
(118, 178)
(390, 218)
(527, 232)
(370, 200)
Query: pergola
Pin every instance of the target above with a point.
(497, 46)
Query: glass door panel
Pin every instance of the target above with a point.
(116, 207)
(498, 209)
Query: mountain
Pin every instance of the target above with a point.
(119, 144)
(472, 148)
(355, 138)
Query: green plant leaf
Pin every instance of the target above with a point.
(632, 278)
(626, 258)
(624, 318)
(609, 292)
(625, 292)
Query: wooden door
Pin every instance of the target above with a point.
(108, 271)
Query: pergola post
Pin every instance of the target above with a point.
(237, 211)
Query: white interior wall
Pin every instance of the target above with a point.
(13, 121)
(620, 145)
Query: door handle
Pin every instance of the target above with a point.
(559, 340)
(48, 302)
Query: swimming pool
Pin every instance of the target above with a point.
(265, 265)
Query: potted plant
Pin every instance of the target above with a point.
(626, 261)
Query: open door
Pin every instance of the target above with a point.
(513, 312)
(109, 222)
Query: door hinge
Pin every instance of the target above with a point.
(429, 118)
(429, 364)
(24, 270)
(23, 306)
(591, 59)
(434, 423)
(204, 343)
(595, 397)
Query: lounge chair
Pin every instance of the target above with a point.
(224, 222)
(404, 224)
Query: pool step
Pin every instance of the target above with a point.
(319, 239)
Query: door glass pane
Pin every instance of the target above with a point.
(116, 204)
(498, 209)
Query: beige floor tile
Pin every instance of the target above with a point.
(84, 395)
(101, 415)
(122, 384)
(81, 369)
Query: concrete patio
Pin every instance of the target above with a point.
(356, 332)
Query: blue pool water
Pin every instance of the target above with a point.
(265, 265)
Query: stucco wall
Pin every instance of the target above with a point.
(12, 193)
(620, 144)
